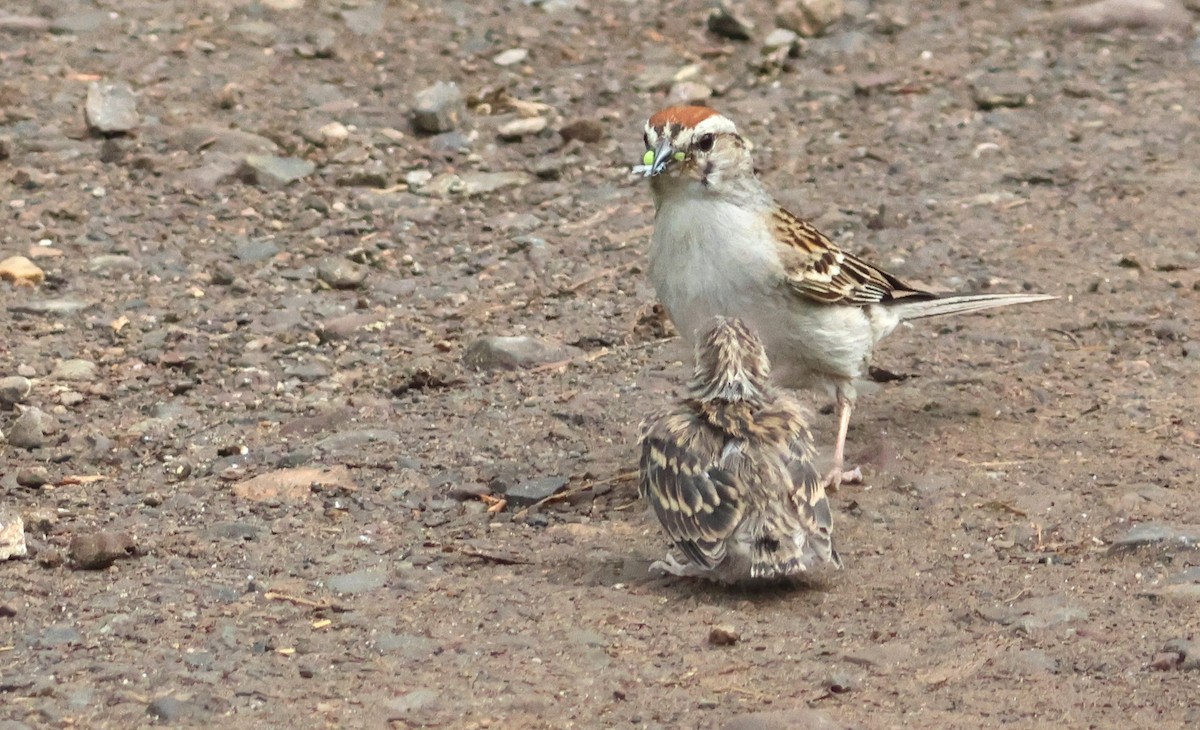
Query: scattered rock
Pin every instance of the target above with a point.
(14, 389)
(80, 22)
(23, 24)
(78, 370)
(204, 138)
(689, 92)
(1034, 613)
(1177, 654)
(1107, 15)
(270, 171)
(439, 108)
(48, 306)
(723, 21)
(111, 108)
(97, 550)
(360, 581)
(809, 18)
(1155, 534)
(798, 719)
(319, 43)
(170, 709)
(33, 476)
(293, 484)
(364, 21)
(341, 273)
(474, 183)
(28, 431)
(532, 491)
(723, 635)
(509, 353)
(510, 57)
(780, 38)
(333, 133)
(410, 702)
(21, 271)
(522, 127)
(12, 535)
(584, 130)
(991, 91)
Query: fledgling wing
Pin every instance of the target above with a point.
(809, 499)
(693, 494)
(818, 270)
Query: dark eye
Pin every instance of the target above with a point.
(705, 143)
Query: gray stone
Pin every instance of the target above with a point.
(797, 719)
(439, 108)
(76, 23)
(27, 432)
(76, 370)
(98, 550)
(584, 130)
(169, 709)
(341, 273)
(229, 530)
(48, 306)
(450, 142)
(14, 389)
(1155, 534)
(473, 184)
(780, 38)
(511, 57)
(1034, 613)
(509, 353)
(532, 491)
(360, 581)
(367, 20)
(60, 634)
(522, 127)
(255, 250)
(113, 262)
(809, 18)
(271, 171)
(995, 90)
(111, 108)
(12, 535)
(204, 138)
(412, 701)
(33, 476)
(1107, 15)
(257, 31)
(23, 24)
(723, 21)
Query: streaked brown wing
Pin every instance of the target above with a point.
(819, 270)
(696, 500)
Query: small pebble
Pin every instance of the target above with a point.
(439, 108)
(723, 635)
(341, 273)
(27, 431)
(724, 22)
(96, 550)
(33, 476)
(14, 389)
(12, 535)
(111, 108)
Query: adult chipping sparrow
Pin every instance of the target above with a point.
(723, 246)
(729, 469)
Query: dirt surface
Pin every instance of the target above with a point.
(256, 391)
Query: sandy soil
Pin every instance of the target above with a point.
(316, 505)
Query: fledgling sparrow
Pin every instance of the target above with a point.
(729, 469)
(723, 246)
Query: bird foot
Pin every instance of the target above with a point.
(839, 477)
(671, 566)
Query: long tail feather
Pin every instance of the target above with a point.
(962, 304)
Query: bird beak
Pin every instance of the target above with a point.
(657, 159)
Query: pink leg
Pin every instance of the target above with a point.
(836, 475)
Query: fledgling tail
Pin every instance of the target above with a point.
(962, 304)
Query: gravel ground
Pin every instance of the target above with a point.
(268, 470)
